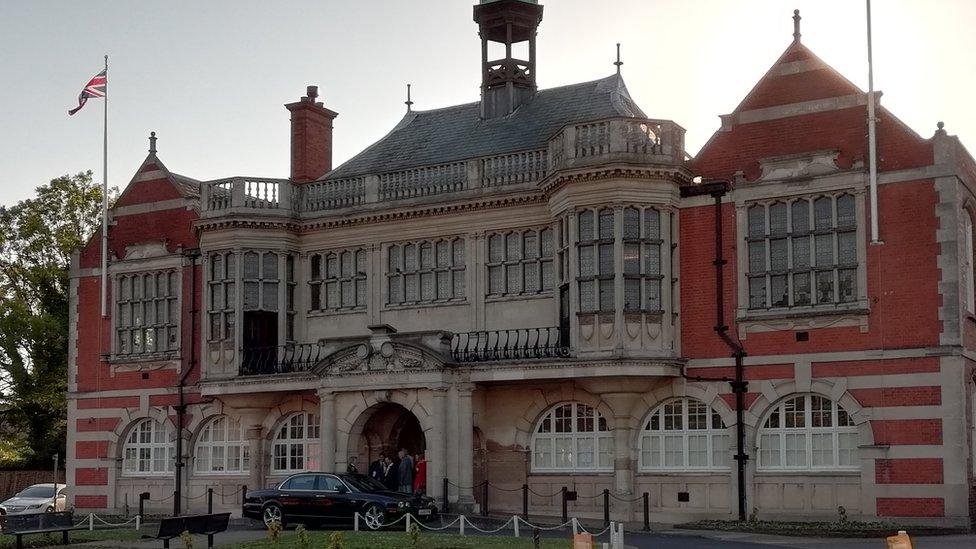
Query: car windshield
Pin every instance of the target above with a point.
(37, 492)
(363, 483)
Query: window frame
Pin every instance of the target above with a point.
(311, 444)
(575, 435)
(358, 278)
(399, 275)
(711, 433)
(171, 326)
(520, 263)
(227, 284)
(598, 278)
(167, 446)
(242, 444)
(807, 431)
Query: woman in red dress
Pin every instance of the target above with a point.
(420, 475)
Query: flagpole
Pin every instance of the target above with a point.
(104, 292)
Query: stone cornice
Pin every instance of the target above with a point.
(559, 179)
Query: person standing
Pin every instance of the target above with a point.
(420, 475)
(405, 472)
(351, 467)
(389, 474)
(376, 468)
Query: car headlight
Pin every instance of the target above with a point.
(403, 504)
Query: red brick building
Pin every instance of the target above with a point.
(528, 290)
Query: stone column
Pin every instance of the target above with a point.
(255, 449)
(465, 445)
(327, 429)
(437, 445)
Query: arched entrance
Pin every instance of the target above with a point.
(389, 427)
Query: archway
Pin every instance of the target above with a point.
(388, 428)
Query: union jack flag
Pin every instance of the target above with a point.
(94, 88)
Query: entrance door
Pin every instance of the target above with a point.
(260, 342)
(564, 315)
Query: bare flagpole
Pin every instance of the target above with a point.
(104, 293)
(872, 138)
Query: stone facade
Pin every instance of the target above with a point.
(536, 305)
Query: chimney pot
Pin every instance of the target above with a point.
(311, 137)
(312, 92)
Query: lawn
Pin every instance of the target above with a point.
(78, 536)
(398, 540)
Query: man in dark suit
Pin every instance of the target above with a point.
(376, 468)
(390, 477)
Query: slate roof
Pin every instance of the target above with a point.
(451, 134)
(187, 186)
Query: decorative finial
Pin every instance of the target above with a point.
(312, 93)
(941, 130)
(796, 25)
(152, 142)
(408, 102)
(618, 63)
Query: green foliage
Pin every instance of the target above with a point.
(187, 539)
(414, 534)
(336, 541)
(842, 516)
(37, 237)
(274, 532)
(304, 540)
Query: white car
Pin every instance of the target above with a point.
(39, 498)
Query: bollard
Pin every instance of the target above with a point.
(444, 510)
(575, 527)
(565, 512)
(177, 504)
(462, 525)
(484, 499)
(407, 529)
(535, 538)
(138, 521)
(620, 535)
(210, 512)
(243, 493)
(516, 519)
(525, 502)
(355, 521)
(606, 507)
(91, 521)
(143, 498)
(647, 512)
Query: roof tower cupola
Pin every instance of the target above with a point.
(508, 82)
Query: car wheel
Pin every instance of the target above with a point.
(375, 517)
(272, 513)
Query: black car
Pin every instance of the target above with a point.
(334, 498)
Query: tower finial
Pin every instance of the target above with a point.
(796, 25)
(408, 102)
(152, 142)
(618, 62)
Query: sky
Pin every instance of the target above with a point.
(211, 77)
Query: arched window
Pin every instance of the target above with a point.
(149, 449)
(684, 435)
(221, 447)
(807, 432)
(296, 445)
(572, 437)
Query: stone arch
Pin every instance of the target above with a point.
(127, 421)
(704, 392)
(525, 426)
(771, 394)
(717, 404)
(287, 407)
(350, 427)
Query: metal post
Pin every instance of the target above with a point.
(525, 502)
(565, 512)
(606, 507)
(484, 499)
(176, 503)
(647, 513)
(535, 538)
(243, 493)
(209, 501)
(446, 504)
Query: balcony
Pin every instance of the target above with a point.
(635, 141)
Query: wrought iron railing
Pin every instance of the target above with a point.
(515, 344)
(280, 359)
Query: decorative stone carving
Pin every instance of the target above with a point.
(805, 165)
(392, 358)
(146, 250)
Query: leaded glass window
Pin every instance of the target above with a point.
(337, 280)
(147, 313)
(802, 253)
(425, 272)
(596, 260)
(222, 304)
(520, 263)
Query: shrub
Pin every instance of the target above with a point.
(336, 541)
(187, 539)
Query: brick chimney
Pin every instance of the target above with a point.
(311, 137)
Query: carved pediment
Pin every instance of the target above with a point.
(146, 250)
(386, 357)
(798, 165)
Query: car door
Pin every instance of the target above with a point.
(297, 496)
(332, 499)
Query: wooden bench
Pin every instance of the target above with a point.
(38, 523)
(207, 525)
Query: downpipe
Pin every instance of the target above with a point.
(191, 362)
(738, 384)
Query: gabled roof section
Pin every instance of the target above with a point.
(452, 134)
(145, 184)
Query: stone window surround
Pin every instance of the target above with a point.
(168, 447)
(807, 431)
(311, 444)
(595, 435)
(241, 443)
(454, 271)
(359, 276)
(174, 262)
(800, 318)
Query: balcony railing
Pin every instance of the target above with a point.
(281, 359)
(516, 344)
(615, 140)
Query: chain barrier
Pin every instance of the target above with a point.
(552, 495)
(425, 527)
(496, 487)
(106, 523)
(224, 495)
(499, 529)
(633, 500)
(594, 534)
(545, 528)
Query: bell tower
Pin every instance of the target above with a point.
(508, 82)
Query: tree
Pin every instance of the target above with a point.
(37, 237)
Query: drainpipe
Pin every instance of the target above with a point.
(191, 361)
(739, 386)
